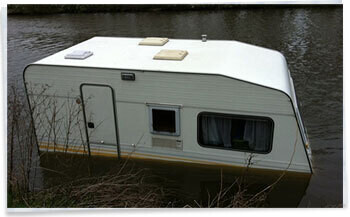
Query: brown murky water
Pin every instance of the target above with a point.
(311, 38)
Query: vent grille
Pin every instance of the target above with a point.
(167, 143)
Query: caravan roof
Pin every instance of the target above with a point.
(233, 59)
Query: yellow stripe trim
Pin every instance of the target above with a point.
(60, 147)
(131, 154)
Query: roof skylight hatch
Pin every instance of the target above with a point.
(79, 54)
(154, 41)
(171, 55)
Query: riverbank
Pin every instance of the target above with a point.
(57, 9)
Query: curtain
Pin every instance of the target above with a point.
(216, 131)
(257, 133)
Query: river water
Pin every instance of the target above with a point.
(311, 38)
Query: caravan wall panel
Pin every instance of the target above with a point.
(195, 93)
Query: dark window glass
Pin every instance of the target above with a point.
(163, 120)
(235, 132)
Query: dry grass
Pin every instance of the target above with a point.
(234, 195)
(123, 190)
(134, 188)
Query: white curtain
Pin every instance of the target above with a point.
(257, 133)
(216, 131)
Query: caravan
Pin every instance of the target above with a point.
(198, 101)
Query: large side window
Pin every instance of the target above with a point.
(164, 120)
(243, 133)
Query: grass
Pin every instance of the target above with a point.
(126, 185)
(127, 190)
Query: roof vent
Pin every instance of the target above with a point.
(154, 41)
(78, 54)
(171, 55)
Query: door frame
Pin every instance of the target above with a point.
(114, 113)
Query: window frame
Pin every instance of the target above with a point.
(174, 108)
(236, 116)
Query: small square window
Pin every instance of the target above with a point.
(164, 120)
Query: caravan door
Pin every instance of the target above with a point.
(100, 118)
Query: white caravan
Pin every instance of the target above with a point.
(198, 101)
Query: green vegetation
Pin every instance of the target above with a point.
(55, 9)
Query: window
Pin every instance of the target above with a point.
(164, 120)
(235, 132)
